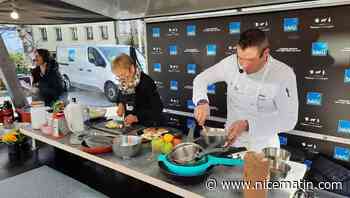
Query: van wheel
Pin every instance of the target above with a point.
(111, 91)
(67, 84)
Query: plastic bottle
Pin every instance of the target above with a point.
(75, 116)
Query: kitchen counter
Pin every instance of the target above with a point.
(145, 168)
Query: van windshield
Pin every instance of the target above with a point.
(112, 52)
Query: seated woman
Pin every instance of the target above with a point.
(47, 80)
(138, 98)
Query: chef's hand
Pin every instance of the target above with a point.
(131, 119)
(201, 113)
(235, 130)
(120, 110)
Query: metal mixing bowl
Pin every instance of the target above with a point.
(274, 153)
(278, 170)
(184, 153)
(127, 146)
(214, 136)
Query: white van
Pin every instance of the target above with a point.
(89, 66)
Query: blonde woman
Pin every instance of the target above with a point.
(138, 99)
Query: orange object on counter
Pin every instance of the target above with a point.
(255, 173)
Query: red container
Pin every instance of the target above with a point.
(24, 115)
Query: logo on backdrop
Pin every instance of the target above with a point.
(211, 50)
(191, 68)
(314, 98)
(173, 31)
(174, 85)
(172, 50)
(212, 29)
(157, 67)
(190, 123)
(190, 104)
(262, 25)
(288, 50)
(311, 121)
(174, 121)
(290, 24)
(159, 84)
(234, 27)
(347, 76)
(341, 153)
(174, 102)
(344, 126)
(283, 140)
(157, 51)
(190, 87)
(319, 48)
(173, 68)
(342, 101)
(191, 50)
(230, 49)
(155, 32)
(191, 30)
(212, 89)
(316, 74)
(322, 22)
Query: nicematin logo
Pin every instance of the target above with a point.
(341, 153)
(211, 89)
(155, 32)
(174, 85)
(211, 50)
(347, 76)
(344, 126)
(314, 98)
(319, 49)
(172, 50)
(290, 24)
(190, 104)
(157, 67)
(191, 68)
(191, 30)
(71, 54)
(235, 27)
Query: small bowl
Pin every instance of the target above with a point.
(127, 146)
(274, 153)
(214, 136)
(278, 170)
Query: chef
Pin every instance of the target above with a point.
(262, 98)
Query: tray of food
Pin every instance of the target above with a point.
(156, 132)
(116, 127)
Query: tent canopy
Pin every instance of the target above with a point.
(84, 11)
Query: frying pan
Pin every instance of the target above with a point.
(184, 179)
(200, 167)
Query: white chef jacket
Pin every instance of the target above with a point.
(267, 99)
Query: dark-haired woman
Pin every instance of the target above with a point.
(47, 77)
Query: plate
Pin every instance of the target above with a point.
(153, 132)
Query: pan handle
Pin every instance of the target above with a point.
(224, 161)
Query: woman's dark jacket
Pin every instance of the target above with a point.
(50, 84)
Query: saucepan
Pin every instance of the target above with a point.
(214, 136)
